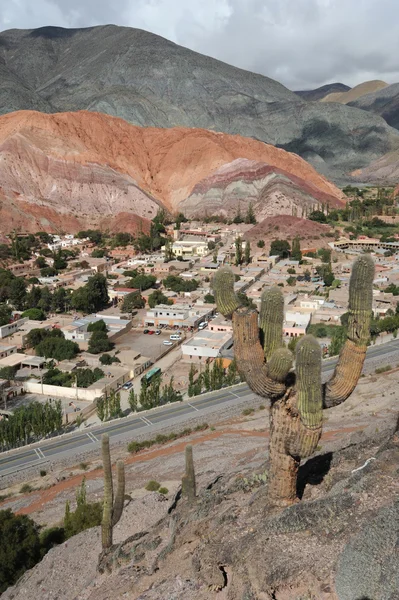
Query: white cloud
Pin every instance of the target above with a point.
(302, 43)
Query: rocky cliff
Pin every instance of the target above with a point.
(74, 169)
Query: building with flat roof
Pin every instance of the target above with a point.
(207, 344)
(177, 315)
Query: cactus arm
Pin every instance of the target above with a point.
(106, 525)
(250, 356)
(188, 481)
(223, 288)
(271, 319)
(120, 493)
(352, 356)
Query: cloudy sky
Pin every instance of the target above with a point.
(301, 43)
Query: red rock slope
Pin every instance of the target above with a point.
(69, 170)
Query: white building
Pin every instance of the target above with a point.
(177, 315)
(186, 248)
(207, 344)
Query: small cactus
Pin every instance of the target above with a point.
(188, 480)
(297, 399)
(112, 511)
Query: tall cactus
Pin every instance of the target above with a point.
(112, 511)
(188, 479)
(297, 399)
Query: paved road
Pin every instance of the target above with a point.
(152, 421)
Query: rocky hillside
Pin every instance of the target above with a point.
(322, 92)
(73, 169)
(338, 543)
(384, 171)
(384, 102)
(150, 81)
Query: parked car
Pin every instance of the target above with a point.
(151, 332)
(146, 331)
(158, 332)
(127, 386)
(175, 336)
(202, 325)
(167, 343)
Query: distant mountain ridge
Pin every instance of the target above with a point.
(323, 91)
(150, 81)
(367, 87)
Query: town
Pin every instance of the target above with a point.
(96, 326)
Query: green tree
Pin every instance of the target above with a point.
(99, 342)
(191, 375)
(178, 284)
(35, 314)
(58, 348)
(169, 254)
(238, 256)
(18, 293)
(280, 248)
(157, 297)
(247, 255)
(141, 282)
(250, 218)
(132, 399)
(296, 253)
(19, 547)
(8, 373)
(318, 216)
(5, 314)
(261, 243)
(209, 299)
(93, 296)
(41, 262)
(97, 326)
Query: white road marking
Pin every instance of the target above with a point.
(91, 437)
(194, 407)
(146, 421)
(39, 453)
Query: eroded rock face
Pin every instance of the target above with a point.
(88, 166)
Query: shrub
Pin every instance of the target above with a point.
(25, 488)
(248, 411)
(383, 369)
(107, 359)
(152, 486)
(43, 473)
(135, 446)
(163, 490)
(86, 515)
(19, 547)
(51, 537)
